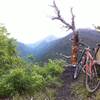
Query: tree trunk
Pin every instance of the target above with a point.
(75, 45)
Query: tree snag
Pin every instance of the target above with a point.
(69, 26)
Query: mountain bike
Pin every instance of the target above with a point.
(88, 65)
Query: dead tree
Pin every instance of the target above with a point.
(69, 26)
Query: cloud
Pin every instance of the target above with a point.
(29, 20)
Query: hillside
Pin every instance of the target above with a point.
(37, 49)
(49, 47)
(63, 45)
(23, 49)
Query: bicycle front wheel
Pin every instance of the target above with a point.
(92, 80)
(77, 71)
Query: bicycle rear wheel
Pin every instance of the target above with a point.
(92, 81)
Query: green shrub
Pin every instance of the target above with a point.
(55, 67)
(6, 89)
(19, 80)
(30, 80)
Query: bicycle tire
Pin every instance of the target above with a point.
(77, 70)
(92, 82)
(79, 67)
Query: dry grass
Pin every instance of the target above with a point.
(49, 94)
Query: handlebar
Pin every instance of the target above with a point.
(98, 44)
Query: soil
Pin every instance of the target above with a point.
(64, 93)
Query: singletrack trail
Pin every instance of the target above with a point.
(64, 93)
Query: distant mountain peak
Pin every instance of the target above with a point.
(50, 38)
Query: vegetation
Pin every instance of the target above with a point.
(19, 78)
(81, 93)
(23, 80)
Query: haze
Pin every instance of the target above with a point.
(30, 20)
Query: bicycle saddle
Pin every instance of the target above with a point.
(98, 44)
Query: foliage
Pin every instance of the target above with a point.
(19, 80)
(7, 57)
(7, 49)
(32, 58)
(22, 78)
(55, 67)
(18, 77)
(6, 88)
(49, 94)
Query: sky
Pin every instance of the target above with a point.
(29, 21)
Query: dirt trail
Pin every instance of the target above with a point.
(64, 93)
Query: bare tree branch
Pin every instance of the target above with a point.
(59, 17)
(71, 10)
(67, 28)
(73, 17)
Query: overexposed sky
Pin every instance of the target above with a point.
(29, 20)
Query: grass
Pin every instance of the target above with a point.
(79, 90)
(48, 94)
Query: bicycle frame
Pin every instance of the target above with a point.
(89, 62)
(86, 62)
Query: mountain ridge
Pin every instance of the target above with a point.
(45, 50)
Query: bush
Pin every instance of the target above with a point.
(55, 67)
(20, 80)
(6, 89)
(30, 80)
